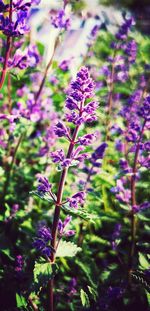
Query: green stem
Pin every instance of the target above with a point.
(9, 170)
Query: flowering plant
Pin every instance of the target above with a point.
(74, 160)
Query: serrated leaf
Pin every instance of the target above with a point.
(20, 301)
(80, 212)
(44, 196)
(67, 249)
(43, 272)
(84, 299)
(143, 261)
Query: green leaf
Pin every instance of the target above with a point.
(87, 272)
(148, 297)
(67, 249)
(7, 212)
(43, 272)
(143, 261)
(84, 299)
(20, 301)
(93, 292)
(44, 196)
(80, 212)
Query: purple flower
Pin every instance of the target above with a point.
(131, 51)
(122, 76)
(124, 29)
(99, 153)
(141, 207)
(76, 199)
(27, 58)
(91, 107)
(64, 65)
(71, 103)
(3, 7)
(62, 227)
(87, 139)
(14, 28)
(61, 130)
(95, 31)
(44, 233)
(82, 87)
(42, 241)
(122, 194)
(78, 156)
(124, 166)
(147, 146)
(19, 263)
(60, 20)
(44, 185)
(144, 110)
(57, 156)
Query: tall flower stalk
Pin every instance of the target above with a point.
(79, 112)
(81, 89)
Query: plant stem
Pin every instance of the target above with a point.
(33, 305)
(133, 203)
(110, 97)
(57, 212)
(37, 95)
(8, 172)
(7, 52)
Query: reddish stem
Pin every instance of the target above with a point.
(57, 214)
(60, 192)
(133, 202)
(58, 206)
(7, 52)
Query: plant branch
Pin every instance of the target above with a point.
(7, 52)
(8, 172)
(37, 95)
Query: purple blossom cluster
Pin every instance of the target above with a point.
(123, 31)
(17, 25)
(60, 20)
(23, 59)
(79, 112)
(42, 241)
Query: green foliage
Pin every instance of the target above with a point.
(44, 196)
(84, 299)
(67, 249)
(20, 301)
(43, 272)
(79, 212)
(144, 263)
